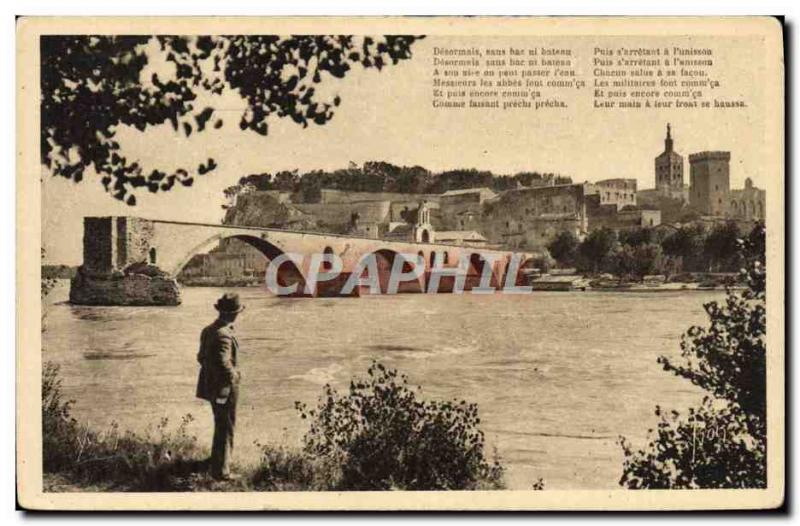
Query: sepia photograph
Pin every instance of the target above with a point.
(400, 263)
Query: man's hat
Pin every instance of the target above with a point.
(229, 302)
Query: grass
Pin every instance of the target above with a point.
(78, 458)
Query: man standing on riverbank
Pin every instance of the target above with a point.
(218, 381)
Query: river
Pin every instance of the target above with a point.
(557, 376)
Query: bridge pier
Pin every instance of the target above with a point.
(116, 269)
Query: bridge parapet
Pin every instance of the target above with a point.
(134, 261)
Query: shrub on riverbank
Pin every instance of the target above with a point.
(723, 442)
(112, 458)
(381, 436)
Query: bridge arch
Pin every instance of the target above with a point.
(385, 258)
(288, 273)
(477, 263)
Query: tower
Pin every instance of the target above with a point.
(423, 231)
(669, 168)
(709, 174)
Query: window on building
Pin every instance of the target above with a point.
(152, 255)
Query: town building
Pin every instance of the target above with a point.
(749, 203)
(620, 192)
(530, 217)
(669, 170)
(462, 209)
(709, 174)
(469, 238)
(416, 228)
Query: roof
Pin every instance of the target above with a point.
(400, 230)
(464, 191)
(461, 235)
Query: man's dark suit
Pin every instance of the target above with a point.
(218, 383)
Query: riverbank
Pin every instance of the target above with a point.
(362, 440)
(568, 280)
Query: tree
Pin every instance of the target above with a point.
(564, 248)
(637, 236)
(92, 85)
(597, 250)
(285, 181)
(721, 247)
(722, 443)
(686, 244)
(648, 259)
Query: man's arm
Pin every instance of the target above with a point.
(223, 357)
(201, 355)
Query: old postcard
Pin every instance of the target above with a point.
(400, 263)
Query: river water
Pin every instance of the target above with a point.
(557, 376)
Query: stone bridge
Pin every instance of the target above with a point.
(134, 261)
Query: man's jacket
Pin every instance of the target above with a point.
(217, 357)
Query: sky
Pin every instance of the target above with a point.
(388, 116)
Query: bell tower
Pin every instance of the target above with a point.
(423, 230)
(669, 167)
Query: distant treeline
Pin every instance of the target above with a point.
(385, 177)
(645, 251)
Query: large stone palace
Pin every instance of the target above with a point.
(709, 192)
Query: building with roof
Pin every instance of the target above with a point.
(461, 237)
(669, 170)
(748, 203)
(462, 209)
(620, 192)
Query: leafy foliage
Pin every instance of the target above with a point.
(564, 248)
(638, 261)
(687, 243)
(721, 247)
(709, 448)
(380, 436)
(92, 85)
(597, 250)
(639, 252)
(728, 360)
(378, 176)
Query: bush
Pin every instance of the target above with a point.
(728, 360)
(285, 469)
(381, 436)
(113, 458)
(710, 448)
